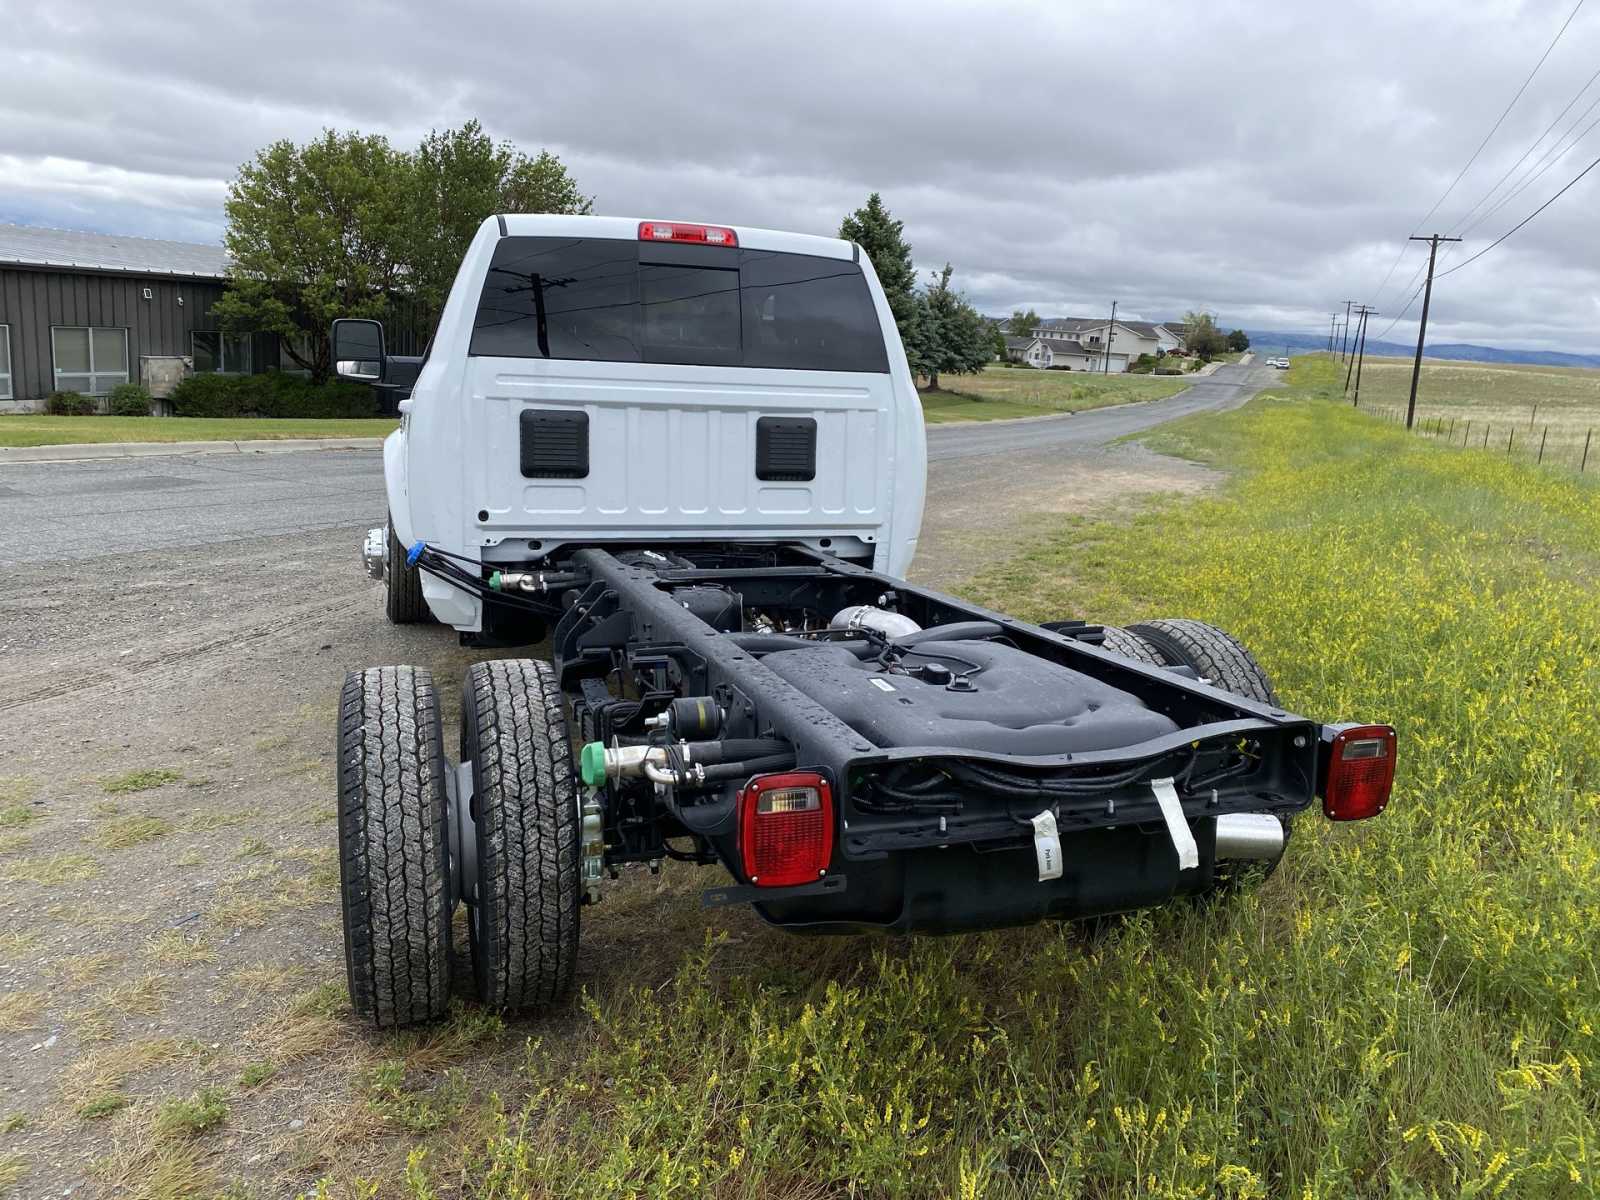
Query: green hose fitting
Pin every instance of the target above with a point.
(494, 582)
(592, 764)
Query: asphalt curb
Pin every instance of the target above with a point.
(87, 451)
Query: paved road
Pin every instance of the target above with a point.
(52, 512)
(1228, 388)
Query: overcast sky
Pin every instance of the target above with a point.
(1263, 160)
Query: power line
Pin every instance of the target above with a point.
(1547, 160)
(1493, 129)
(1578, 95)
(1521, 223)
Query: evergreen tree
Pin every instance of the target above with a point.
(961, 342)
(882, 237)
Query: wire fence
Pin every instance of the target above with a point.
(1570, 447)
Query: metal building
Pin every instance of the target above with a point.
(83, 312)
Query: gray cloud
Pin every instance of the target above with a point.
(1260, 158)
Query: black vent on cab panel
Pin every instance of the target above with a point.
(786, 449)
(555, 444)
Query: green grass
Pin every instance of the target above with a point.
(177, 1118)
(37, 430)
(140, 781)
(1409, 1008)
(998, 393)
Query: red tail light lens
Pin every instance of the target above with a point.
(1360, 772)
(786, 828)
(672, 231)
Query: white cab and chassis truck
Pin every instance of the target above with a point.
(692, 457)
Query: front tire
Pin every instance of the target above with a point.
(403, 601)
(524, 915)
(393, 847)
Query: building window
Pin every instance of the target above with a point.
(89, 360)
(225, 352)
(5, 363)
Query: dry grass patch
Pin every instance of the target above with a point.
(189, 858)
(21, 1010)
(77, 970)
(267, 977)
(13, 843)
(107, 1069)
(17, 789)
(57, 868)
(219, 818)
(139, 781)
(16, 942)
(303, 1026)
(13, 1166)
(172, 948)
(146, 997)
(141, 1169)
(253, 847)
(134, 830)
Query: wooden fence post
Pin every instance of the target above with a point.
(1542, 438)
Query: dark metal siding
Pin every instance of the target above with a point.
(31, 301)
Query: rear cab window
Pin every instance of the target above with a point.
(613, 300)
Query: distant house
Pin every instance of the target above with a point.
(1051, 353)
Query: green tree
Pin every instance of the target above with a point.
(458, 178)
(1204, 338)
(997, 339)
(960, 341)
(1022, 324)
(315, 232)
(883, 238)
(1238, 341)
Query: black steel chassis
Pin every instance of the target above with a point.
(624, 646)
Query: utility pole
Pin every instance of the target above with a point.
(1111, 334)
(1350, 370)
(1361, 348)
(1345, 336)
(1333, 327)
(1433, 241)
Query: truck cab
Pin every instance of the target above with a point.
(613, 381)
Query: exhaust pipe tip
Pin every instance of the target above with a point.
(1257, 836)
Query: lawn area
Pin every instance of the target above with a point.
(37, 430)
(1001, 392)
(1504, 402)
(1408, 1008)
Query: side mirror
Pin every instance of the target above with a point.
(358, 350)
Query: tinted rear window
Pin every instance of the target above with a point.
(593, 298)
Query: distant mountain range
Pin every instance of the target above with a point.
(1268, 339)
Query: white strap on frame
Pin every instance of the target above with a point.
(1177, 826)
(1047, 845)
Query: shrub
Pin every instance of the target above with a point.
(1142, 365)
(271, 395)
(130, 400)
(69, 404)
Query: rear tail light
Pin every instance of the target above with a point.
(673, 231)
(1360, 772)
(786, 828)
